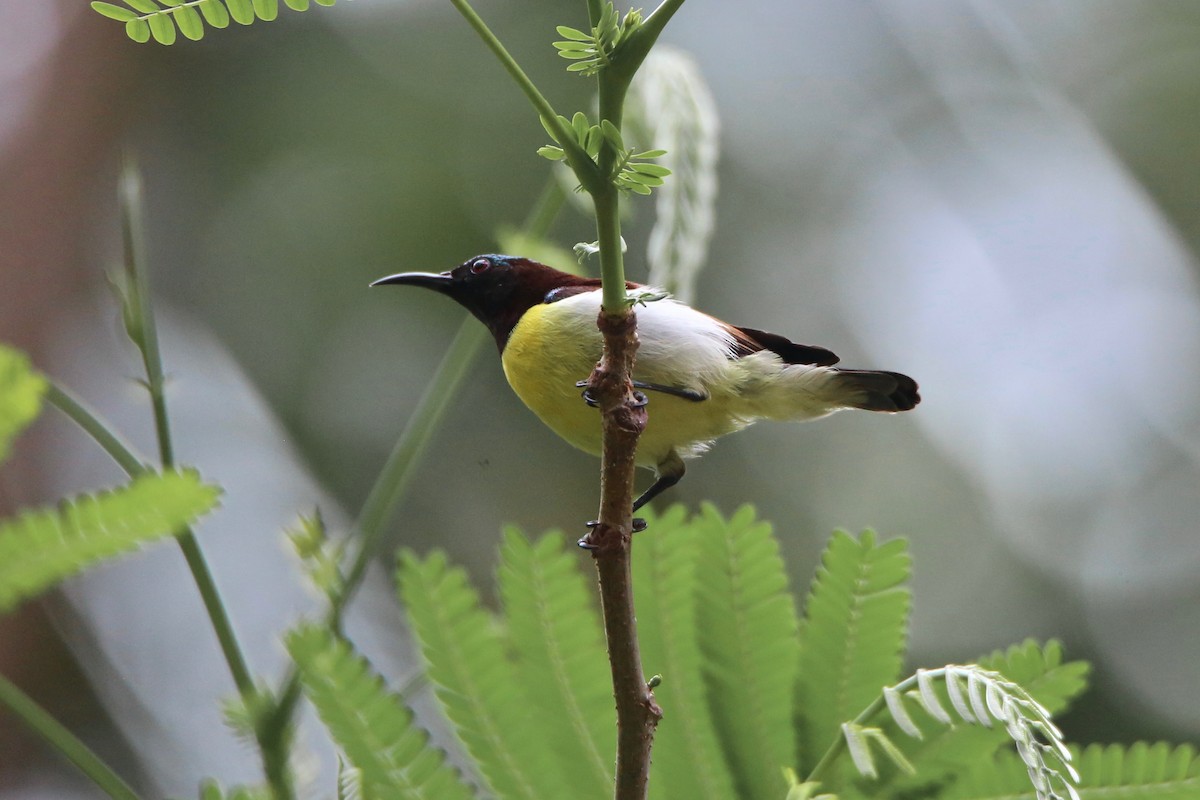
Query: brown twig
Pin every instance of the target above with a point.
(623, 420)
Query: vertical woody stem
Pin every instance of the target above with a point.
(637, 712)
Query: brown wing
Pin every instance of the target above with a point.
(750, 340)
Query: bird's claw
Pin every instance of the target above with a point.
(639, 398)
(639, 525)
(586, 394)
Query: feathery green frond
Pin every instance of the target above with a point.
(670, 104)
(476, 683)
(747, 634)
(559, 644)
(21, 391)
(688, 761)
(853, 635)
(371, 725)
(947, 751)
(163, 19)
(1142, 771)
(40, 548)
(978, 696)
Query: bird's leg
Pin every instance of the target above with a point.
(686, 394)
(670, 471)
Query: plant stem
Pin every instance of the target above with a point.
(623, 420)
(637, 47)
(581, 163)
(839, 744)
(94, 427)
(140, 322)
(75, 751)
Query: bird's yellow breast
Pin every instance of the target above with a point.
(553, 346)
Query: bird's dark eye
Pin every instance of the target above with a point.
(480, 265)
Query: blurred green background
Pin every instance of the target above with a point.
(1001, 199)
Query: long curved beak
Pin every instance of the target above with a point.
(439, 282)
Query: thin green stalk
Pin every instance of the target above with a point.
(839, 744)
(94, 427)
(74, 750)
(581, 163)
(140, 312)
(140, 322)
(637, 47)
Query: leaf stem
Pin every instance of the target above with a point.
(71, 747)
(101, 433)
(581, 163)
(637, 47)
(140, 322)
(839, 743)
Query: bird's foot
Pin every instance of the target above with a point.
(586, 394)
(639, 398)
(639, 524)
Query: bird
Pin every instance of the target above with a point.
(708, 377)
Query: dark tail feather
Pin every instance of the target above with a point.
(878, 391)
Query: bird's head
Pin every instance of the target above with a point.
(496, 289)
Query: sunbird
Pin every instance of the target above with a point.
(708, 377)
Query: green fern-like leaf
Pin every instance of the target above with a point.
(371, 725)
(747, 633)
(853, 635)
(947, 752)
(1041, 670)
(1140, 771)
(557, 638)
(592, 51)
(21, 390)
(40, 548)
(688, 761)
(477, 684)
(162, 20)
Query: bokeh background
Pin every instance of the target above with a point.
(1000, 198)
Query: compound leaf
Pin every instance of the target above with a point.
(853, 636)
(476, 683)
(371, 725)
(688, 761)
(559, 644)
(747, 624)
(40, 548)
